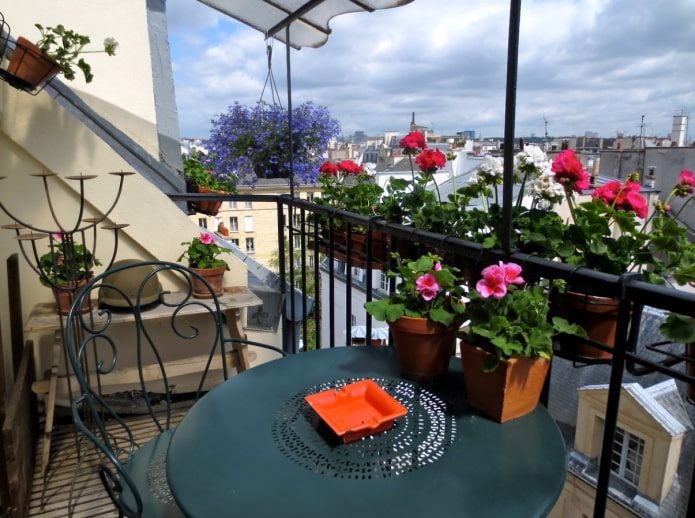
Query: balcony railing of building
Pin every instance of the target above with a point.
(303, 238)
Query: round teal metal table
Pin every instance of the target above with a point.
(252, 447)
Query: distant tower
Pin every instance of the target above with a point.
(680, 129)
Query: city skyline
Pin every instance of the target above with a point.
(602, 66)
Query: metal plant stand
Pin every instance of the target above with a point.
(62, 240)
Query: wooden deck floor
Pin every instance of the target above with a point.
(72, 488)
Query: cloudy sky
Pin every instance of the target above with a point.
(584, 65)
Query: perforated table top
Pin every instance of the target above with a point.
(254, 447)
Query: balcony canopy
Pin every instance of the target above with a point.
(307, 19)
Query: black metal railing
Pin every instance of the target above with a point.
(335, 257)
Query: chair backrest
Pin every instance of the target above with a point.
(136, 351)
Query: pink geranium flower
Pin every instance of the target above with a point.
(493, 283)
(512, 273)
(428, 286)
(687, 183)
(207, 238)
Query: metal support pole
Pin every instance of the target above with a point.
(509, 119)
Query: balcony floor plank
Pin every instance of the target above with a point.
(72, 487)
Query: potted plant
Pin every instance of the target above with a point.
(66, 267)
(424, 314)
(58, 50)
(612, 233)
(201, 179)
(409, 201)
(351, 187)
(202, 256)
(255, 142)
(507, 344)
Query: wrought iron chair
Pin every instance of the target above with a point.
(148, 347)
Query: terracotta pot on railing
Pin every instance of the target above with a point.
(210, 208)
(597, 315)
(359, 245)
(30, 64)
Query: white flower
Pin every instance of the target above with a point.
(110, 46)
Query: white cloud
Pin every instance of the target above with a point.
(596, 65)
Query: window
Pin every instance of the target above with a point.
(296, 219)
(383, 281)
(358, 274)
(626, 457)
(297, 242)
(248, 223)
(233, 224)
(248, 204)
(235, 242)
(310, 196)
(203, 222)
(249, 244)
(232, 204)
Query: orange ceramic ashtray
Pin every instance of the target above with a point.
(357, 410)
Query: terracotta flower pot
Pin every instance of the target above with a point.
(214, 277)
(210, 208)
(66, 295)
(510, 391)
(597, 315)
(30, 64)
(380, 250)
(424, 347)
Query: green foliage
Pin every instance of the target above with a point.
(194, 169)
(512, 321)
(66, 262)
(348, 186)
(427, 289)
(679, 328)
(202, 252)
(66, 45)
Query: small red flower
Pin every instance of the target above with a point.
(349, 167)
(623, 197)
(329, 168)
(570, 172)
(430, 160)
(413, 142)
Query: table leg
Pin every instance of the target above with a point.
(236, 330)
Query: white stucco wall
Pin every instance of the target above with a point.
(37, 134)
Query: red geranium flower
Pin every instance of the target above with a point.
(623, 197)
(328, 168)
(570, 172)
(430, 160)
(413, 142)
(349, 167)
